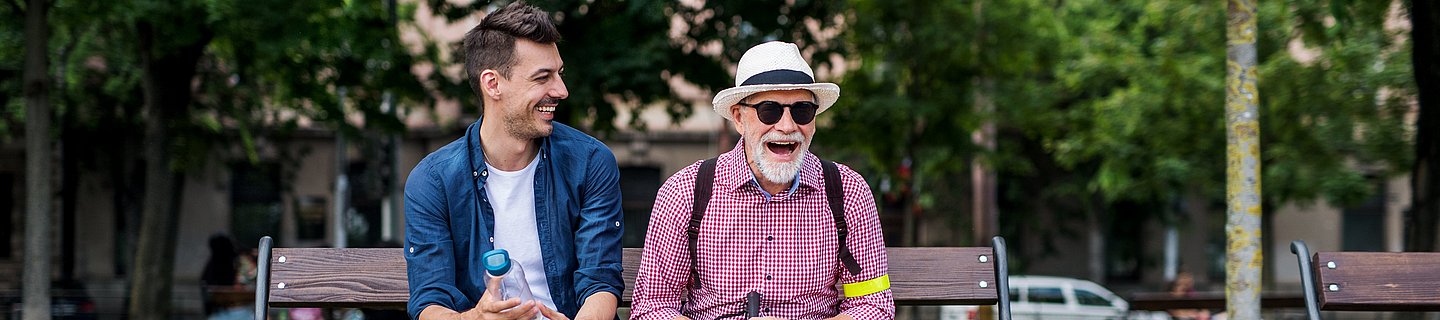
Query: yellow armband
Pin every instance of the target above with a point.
(867, 287)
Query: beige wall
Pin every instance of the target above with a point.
(1320, 225)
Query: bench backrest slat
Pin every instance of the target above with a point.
(1368, 281)
(340, 278)
(1392, 281)
(928, 276)
(943, 276)
(375, 277)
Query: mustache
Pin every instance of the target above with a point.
(548, 101)
(773, 136)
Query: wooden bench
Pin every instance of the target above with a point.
(1368, 281)
(375, 277)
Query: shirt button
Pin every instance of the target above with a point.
(767, 310)
(492, 239)
(485, 173)
(767, 277)
(769, 238)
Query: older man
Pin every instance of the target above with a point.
(767, 226)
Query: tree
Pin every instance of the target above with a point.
(1243, 254)
(905, 107)
(38, 193)
(1424, 213)
(630, 51)
(203, 74)
(248, 58)
(1110, 110)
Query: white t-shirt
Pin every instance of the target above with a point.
(512, 196)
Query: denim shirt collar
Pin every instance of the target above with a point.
(476, 150)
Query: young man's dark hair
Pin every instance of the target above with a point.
(492, 44)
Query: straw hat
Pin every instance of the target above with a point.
(773, 66)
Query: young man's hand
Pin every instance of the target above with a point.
(551, 314)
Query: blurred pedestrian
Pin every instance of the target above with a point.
(1184, 287)
(222, 274)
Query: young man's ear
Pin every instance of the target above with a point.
(490, 83)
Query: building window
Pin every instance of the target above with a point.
(7, 213)
(638, 186)
(362, 214)
(310, 212)
(1364, 226)
(255, 201)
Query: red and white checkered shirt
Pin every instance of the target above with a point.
(783, 246)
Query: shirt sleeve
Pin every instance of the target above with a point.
(597, 240)
(429, 256)
(867, 244)
(664, 264)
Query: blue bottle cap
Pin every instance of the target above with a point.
(497, 262)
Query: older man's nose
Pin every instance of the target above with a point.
(787, 123)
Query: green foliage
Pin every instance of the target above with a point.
(624, 50)
(264, 64)
(1100, 103)
(12, 68)
(1340, 119)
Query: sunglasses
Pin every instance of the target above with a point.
(770, 112)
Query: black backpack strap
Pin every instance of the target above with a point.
(835, 192)
(704, 181)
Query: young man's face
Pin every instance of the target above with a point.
(774, 151)
(528, 99)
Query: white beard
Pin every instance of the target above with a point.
(778, 172)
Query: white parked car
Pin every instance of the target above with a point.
(1041, 297)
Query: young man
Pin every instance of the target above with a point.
(768, 218)
(543, 191)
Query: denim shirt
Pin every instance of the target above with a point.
(449, 222)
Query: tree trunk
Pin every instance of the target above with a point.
(1095, 238)
(1425, 176)
(983, 179)
(1242, 224)
(38, 193)
(69, 190)
(166, 84)
(126, 170)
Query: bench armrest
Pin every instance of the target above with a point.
(1002, 276)
(1307, 278)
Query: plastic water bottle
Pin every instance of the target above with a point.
(512, 277)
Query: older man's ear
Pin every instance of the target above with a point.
(735, 119)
